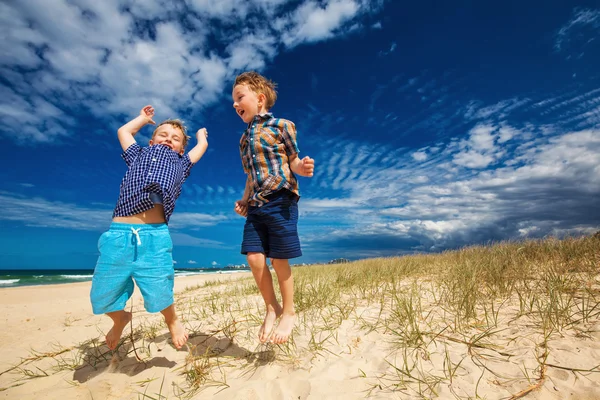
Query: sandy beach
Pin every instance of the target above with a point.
(384, 329)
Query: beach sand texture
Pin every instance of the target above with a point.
(505, 321)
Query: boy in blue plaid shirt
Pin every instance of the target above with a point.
(138, 245)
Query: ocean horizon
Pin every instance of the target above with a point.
(35, 277)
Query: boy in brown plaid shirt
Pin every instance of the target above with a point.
(270, 203)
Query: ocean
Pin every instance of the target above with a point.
(13, 278)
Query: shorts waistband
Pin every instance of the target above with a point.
(120, 226)
(280, 193)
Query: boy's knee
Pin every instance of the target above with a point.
(256, 259)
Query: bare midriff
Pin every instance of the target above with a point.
(154, 215)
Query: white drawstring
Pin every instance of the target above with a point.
(137, 235)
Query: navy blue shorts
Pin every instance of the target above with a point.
(273, 228)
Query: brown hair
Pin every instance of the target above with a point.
(175, 123)
(258, 84)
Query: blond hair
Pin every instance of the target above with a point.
(175, 123)
(258, 84)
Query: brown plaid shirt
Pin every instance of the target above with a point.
(265, 148)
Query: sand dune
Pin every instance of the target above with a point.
(403, 340)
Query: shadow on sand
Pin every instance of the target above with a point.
(96, 358)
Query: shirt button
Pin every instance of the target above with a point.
(150, 173)
(154, 159)
(253, 155)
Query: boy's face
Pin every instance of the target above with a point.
(169, 136)
(247, 104)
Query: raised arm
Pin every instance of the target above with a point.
(128, 131)
(200, 148)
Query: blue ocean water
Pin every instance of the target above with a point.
(13, 278)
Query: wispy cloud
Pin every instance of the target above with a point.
(499, 182)
(391, 49)
(183, 220)
(573, 34)
(40, 212)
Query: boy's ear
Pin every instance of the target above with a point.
(262, 98)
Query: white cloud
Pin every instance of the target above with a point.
(419, 179)
(419, 155)
(313, 21)
(506, 133)
(551, 187)
(479, 150)
(473, 159)
(113, 62)
(317, 205)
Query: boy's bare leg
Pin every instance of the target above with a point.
(120, 320)
(286, 286)
(264, 281)
(179, 335)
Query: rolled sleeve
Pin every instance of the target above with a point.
(186, 165)
(131, 154)
(288, 138)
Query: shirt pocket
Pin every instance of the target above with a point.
(266, 135)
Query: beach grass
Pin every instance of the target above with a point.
(478, 322)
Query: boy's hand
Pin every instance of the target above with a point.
(198, 151)
(241, 207)
(202, 135)
(147, 113)
(307, 167)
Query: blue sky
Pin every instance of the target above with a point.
(433, 125)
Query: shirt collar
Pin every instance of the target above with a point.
(259, 117)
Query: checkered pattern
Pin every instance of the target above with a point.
(155, 169)
(265, 149)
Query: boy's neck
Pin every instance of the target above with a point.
(262, 115)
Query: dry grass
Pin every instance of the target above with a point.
(423, 304)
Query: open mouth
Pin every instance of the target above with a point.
(241, 112)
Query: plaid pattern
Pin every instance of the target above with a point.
(156, 169)
(265, 149)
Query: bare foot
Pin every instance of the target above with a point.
(114, 335)
(179, 335)
(284, 329)
(264, 333)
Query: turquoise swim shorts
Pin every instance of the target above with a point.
(128, 252)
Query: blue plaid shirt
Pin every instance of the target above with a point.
(153, 169)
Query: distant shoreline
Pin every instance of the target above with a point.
(41, 277)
